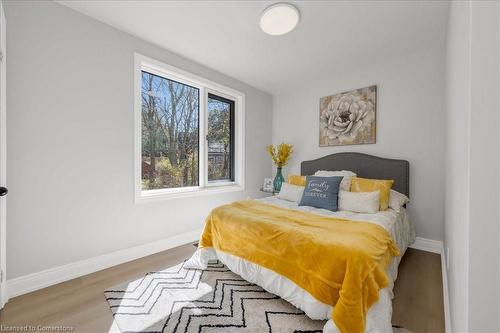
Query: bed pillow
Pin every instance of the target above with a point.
(297, 180)
(321, 192)
(397, 200)
(345, 185)
(359, 202)
(370, 185)
(291, 192)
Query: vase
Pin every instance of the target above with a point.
(278, 180)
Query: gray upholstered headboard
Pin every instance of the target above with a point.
(366, 166)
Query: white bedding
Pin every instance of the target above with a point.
(379, 315)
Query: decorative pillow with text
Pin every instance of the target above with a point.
(321, 192)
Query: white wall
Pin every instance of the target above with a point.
(472, 185)
(410, 125)
(484, 278)
(71, 141)
(457, 165)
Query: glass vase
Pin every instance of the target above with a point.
(278, 180)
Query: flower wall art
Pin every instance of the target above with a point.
(348, 118)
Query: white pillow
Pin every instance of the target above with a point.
(397, 200)
(291, 192)
(345, 184)
(359, 202)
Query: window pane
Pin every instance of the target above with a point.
(170, 119)
(220, 138)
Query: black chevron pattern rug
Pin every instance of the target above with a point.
(194, 301)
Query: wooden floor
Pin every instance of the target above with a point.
(418, 293)
(80, 303)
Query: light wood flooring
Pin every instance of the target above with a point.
(80, 303)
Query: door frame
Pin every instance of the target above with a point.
(3, 158)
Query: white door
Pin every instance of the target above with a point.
(3, 158)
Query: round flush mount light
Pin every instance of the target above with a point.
(279, 19)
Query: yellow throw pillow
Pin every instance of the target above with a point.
(297, 180)
(372, 185)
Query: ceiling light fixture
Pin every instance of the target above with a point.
(279, 19)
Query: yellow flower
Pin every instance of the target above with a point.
(281, 154)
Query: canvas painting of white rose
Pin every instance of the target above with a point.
(348, 118)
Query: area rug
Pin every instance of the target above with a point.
(212, 300)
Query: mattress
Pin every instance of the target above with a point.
(379, 315)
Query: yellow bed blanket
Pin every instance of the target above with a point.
(340, 262)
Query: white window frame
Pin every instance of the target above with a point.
(205, 87)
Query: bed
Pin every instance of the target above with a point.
(397, 224)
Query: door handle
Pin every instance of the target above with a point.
(3, 191)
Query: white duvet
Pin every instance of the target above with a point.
(379, 315)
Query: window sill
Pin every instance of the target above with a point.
(169, 194)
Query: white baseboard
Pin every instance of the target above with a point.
(428, 245)
(435, 246)
(446, 300)
(31, 282)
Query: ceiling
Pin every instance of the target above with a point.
(332, 36)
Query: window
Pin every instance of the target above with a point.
(220, 139)
(170, 122)
(189, 133)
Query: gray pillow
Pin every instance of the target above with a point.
(321, 192)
